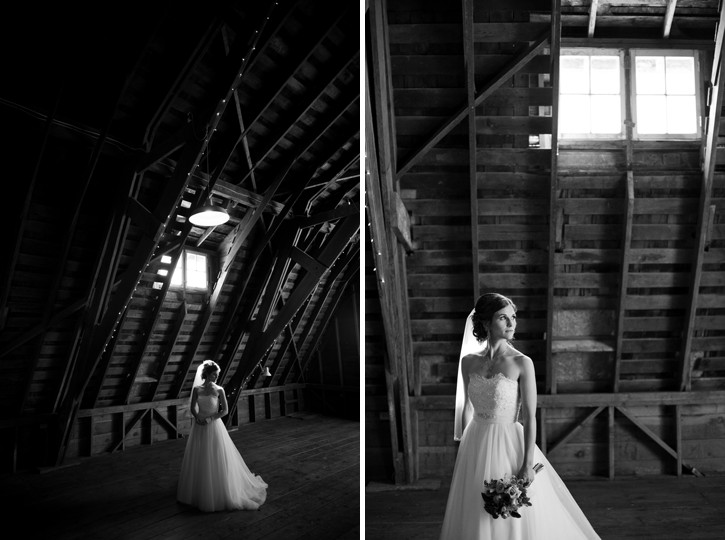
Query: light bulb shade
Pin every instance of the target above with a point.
(266, 372)
(209, 216)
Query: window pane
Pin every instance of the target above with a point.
(651, 116)
(574, 114)
(650, 75)
(681, 113)
(606, 114)
(605, 75)
(574, 75)
(176, 277)
(196, 270)
(680, 75)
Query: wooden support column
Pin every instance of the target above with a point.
(623, 277)
(469, 60)
(550, 378)
(381, 191)
(669, 16)
(610, 431)
(710, 151)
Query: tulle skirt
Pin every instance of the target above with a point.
(489, 451)
(214, 475)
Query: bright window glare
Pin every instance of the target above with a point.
(666, 99)
(589, 98)
(196, 270)
(606, 114)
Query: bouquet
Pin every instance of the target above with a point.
(504, 497)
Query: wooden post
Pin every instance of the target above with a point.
(610, 426)
(469, 64)
(710, 150)
(381, 184)
(550, 380)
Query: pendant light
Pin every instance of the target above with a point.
(266, 372)
(209, 215)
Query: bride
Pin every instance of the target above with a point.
(495, 383)
(213, 474)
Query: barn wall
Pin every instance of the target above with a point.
(513, 183)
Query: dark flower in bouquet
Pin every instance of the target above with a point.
(504, 497)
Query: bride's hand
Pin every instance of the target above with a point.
(527, 474)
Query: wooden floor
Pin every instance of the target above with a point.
(662, 508)
(311, 463)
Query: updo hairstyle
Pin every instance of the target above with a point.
(486, 306)
(210, 366)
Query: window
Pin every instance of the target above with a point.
(664, 96)
(191, 271)
(590, 101)
(665, 90)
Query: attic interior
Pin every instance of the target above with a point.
(543, 150)
(124, 120)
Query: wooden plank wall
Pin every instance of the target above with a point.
(513, 182)
(378, 447)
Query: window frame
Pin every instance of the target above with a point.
(627, 56)
(633, 53)
(588, 51)
(184, 285)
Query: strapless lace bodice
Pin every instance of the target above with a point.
(208, 405)
(494, 399)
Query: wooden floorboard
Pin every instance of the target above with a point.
(311, 463)
(662, 508)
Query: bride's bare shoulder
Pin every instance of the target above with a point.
(468, 361)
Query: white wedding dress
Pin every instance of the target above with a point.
(492, 447)
(213, 474)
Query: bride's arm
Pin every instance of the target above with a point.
(223, 403)
(192, 405)
(527, 381)
(466, 362)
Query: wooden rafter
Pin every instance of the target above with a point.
(12, 256)
(257, 345)
(669, 16)
(346, 101)
(349, 268)
(550, 377)
(592, 18)
(166, 354)
(469, 60)
(489, 88)
(292, 118)
(239, 292)
(99, 333)
(710, 143)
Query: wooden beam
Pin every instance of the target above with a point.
(173, 337)
(624, 399)
(612, 442)
(489, 88)
(554, 206)
(592, 18)
(647, 431)
(669, 16)
(574, 429)
(710, 151)
(623, 277)
(40, 328)
(14, 253)
(469, 61)
(258, 344)
(337, 276)
(634, 43)
(382, 186)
